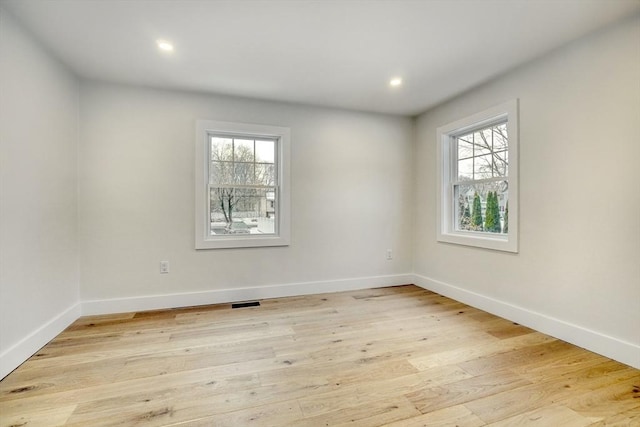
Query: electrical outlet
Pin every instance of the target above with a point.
(164, 267)
(389, 254)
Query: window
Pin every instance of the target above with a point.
(242, 185)
(478, 174)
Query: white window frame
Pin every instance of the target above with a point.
(282, 135)
(447, 168)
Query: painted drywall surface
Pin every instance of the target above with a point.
(38, 135)
(579, 188)
(351, 194)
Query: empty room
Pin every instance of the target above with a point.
(319, 213)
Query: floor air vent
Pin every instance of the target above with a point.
(246, 304)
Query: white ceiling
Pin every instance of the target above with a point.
(338, 53)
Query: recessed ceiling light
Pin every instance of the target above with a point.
(165, 46)
(396, 81)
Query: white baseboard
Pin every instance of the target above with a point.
(622, 351)
(15, 355)
(156, 302)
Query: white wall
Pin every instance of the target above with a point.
(577, 274)
(351, 200)
(38, 187)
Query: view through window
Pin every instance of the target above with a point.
(242, 185)
(481, 186)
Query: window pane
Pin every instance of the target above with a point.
(501, 163)
(265, 174)
(221, 148)
(242, 210)
(220, 173)
(265, 151)
(483, 166)
(482, 142)
(243, 173)
(243, 150)
(465, 169)
(467, 138)
(500, 138)
(482, 207)
(465, 149)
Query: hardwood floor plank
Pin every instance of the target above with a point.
(374, 390)
(630, 418)
(538, 353)
(272, 415)
(44, 418)
(466, 390)
(139, 389)
(510, 403)
(372, 414)
(465, 353)
(544, 417)
(379, 371)
(574, 359)
(501, 328)
(452, 416)
(616, 397)
(595, 377)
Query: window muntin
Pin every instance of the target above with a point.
(478, 179)
(242, 190)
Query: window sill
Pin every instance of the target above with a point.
(494, 242)
(231, 242)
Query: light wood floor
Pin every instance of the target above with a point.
(399, 357)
